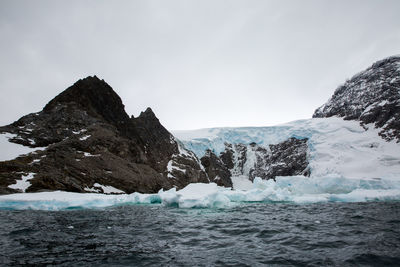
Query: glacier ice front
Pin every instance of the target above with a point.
(294, 189)
(335, 146)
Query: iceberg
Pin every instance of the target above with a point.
(292, 189)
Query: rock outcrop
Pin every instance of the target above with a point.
(371, 96)
(216, 169)
(287, 158)
(283, 159)
(88, 144)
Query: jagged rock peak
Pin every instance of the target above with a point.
(88, 143)
(371, 96)
(148, 114)
(94, 96)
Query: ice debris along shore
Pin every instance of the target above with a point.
(295, 189)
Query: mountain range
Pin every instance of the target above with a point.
(84, 141)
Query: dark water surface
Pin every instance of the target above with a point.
(247, 235)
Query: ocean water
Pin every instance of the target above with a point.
(247, 234)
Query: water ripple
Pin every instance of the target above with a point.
(247, 235)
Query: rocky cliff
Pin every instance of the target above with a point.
(371, 97)
(287, 158)
(89, 144)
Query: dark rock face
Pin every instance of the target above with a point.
(90, 140)
(227, 156)
(371, 96)
(287, 158)
(216, 169)
(95, 97)
(284, 159)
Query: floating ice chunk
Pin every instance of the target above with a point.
(196, 195)
(169, 198)
(295, 189)
(241, 182)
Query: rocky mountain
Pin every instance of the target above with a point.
(371, 97)
(87, 143)
(338, 141)
(287, 158)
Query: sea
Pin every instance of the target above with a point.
(247, 234)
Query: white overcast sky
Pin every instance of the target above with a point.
(197, 64)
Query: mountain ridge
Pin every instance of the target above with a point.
(372, 96)
(87, 142)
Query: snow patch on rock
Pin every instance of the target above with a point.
(24, 183)
(10, 151)
(107, 189)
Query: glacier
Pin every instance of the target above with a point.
(348, 162)
(294, 189)
(336, 147)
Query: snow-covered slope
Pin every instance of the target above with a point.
(337, 147)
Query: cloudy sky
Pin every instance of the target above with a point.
(195, 63)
